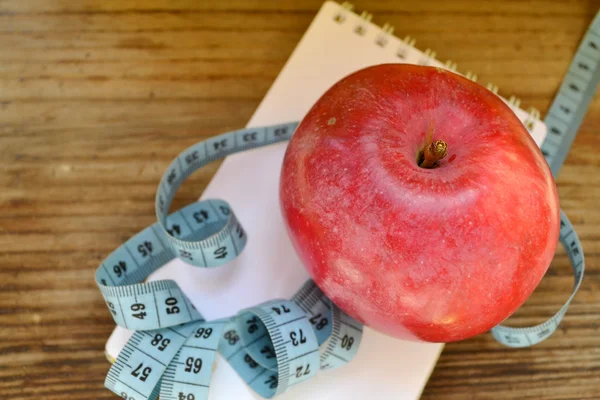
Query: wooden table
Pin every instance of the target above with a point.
(96, 97)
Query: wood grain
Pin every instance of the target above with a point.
(96, 97)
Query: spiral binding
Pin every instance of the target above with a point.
(514, 101)
(451, 65)
(382, 40)
(471, 76)
(361, 28)
(341, 16)
(493, 88)
(429, 55)
(534, 114)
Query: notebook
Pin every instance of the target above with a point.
(337, 43)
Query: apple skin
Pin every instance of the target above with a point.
(435, 255)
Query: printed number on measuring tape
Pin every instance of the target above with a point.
(281, 343)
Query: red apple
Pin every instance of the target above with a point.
(411, 243)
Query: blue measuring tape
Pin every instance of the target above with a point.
(573, 98)
(272, 346)
(278, 344)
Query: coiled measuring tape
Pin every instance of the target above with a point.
(272, 346)
(278, 344)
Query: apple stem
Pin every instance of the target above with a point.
(433, 153)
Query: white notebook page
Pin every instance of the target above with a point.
(268, 268)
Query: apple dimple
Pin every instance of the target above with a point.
(436, 253)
